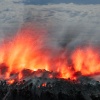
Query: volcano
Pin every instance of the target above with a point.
(31, 49)
(32, 69)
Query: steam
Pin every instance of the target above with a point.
(68, 25)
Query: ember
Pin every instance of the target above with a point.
(10, 81)
(44, 84)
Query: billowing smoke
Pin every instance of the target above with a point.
(68, 24)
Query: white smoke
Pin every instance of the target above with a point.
(72, 23)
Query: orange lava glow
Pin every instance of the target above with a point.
(10, 81)
(87, 61)
(27, 50)
(44, 85)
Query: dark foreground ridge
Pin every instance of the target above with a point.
(51, 89)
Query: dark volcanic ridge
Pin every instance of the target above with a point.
(36, 86)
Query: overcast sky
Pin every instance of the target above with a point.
(78, 22)
(42, 2)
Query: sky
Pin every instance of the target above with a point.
(78, 22)
(42, 2)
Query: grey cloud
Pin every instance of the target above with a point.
(11, 17)
(81, 22)
(67, 24)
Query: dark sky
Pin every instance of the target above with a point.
(42, 2)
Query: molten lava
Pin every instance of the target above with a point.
(10, 81)
(28, 50)
(44, 85)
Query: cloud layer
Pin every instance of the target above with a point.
(75, 24)
(67, 24)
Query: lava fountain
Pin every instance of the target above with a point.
(27, 50)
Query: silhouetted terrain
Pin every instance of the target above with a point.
(55, 89)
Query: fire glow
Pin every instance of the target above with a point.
(27, 51)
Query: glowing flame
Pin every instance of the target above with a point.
(10, 81)
(87, 61)
(44, 85)
(27, 51)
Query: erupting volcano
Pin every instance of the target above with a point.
(28, 49)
